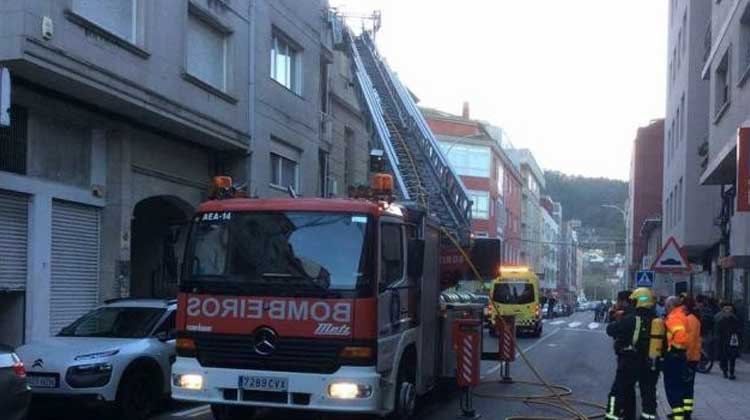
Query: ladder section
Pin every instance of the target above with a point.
(427, 175)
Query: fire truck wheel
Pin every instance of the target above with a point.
(406, 391)
(231, 412)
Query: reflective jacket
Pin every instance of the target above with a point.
(678, 336)
(694, 336)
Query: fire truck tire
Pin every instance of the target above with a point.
(231, 412)
(406, 390)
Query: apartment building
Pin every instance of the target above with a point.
(688, 207)
(726, 70)
(532, 179)
(550, 247)
(492, 181)
(644, 192)
(122, 111)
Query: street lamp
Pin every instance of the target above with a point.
(623, 212)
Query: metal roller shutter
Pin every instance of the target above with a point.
(74, 288)
(14, 222)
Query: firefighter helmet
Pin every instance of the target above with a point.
(643, 297)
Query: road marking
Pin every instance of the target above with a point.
(200, 410)
(582, 330)
(594, 325)
(557, 322)
(497, 367)
(574, 324)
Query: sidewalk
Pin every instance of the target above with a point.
(717, 398)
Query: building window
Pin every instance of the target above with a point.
(721, 87)
(285, 63)
(500, 179)
(481, 207)
(679, 200)
(14, 143)
(744, 58)
(284, 172)
(323, 171)
(116, 16)
(468, 160)
(207, 52)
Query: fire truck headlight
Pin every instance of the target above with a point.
(349, 390)
(192, 381)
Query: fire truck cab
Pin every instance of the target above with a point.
(311, 304)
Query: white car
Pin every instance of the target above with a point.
(119, 353)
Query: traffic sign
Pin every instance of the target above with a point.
(4, 97)
(644, 278)
(671, 259)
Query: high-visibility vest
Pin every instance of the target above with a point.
(694, 337)
(677, 333)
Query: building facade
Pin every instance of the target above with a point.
(726, 69)
(688, 207)
(119, 120)
(492, 181)
(532, 179)
(121, 114)
(550, 250)
(645, 191)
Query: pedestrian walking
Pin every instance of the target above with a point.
(728, 331)
(661, 312)
(639, 341)
(693, 353)
(675, 360)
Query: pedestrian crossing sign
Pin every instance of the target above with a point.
(644, 278)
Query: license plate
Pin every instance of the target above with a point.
(42, 381)
(263, 383)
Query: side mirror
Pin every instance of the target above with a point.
(415, 255)
(162, 336)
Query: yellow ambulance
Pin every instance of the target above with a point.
(516, 292)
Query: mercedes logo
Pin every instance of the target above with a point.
(38, 363)
(264, 341)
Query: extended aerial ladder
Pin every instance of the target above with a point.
(421, 171)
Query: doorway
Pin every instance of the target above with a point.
(159, 231)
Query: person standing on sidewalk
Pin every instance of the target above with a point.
(675, 360)
(729, 336)
(636, 362)
(693, 353)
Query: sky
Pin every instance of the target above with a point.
(570, 79)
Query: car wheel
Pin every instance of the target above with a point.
(231, 412)
(137, 395)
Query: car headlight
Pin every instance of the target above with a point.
(98, 355)
(192, 381)
(349, 390)
(92, 375)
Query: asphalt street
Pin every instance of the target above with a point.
(573, 351)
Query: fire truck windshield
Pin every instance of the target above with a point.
(279, 253)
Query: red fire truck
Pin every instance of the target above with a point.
(312, 304)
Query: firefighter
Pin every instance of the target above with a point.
(622, 307)
(693, 353)
(675, 360)
(639, 341)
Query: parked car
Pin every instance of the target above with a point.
(120, 353)
(15, 394)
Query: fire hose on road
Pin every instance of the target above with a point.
(557, 396)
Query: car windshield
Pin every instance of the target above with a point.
(513, 293)
(114, 322)
(281, 252)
